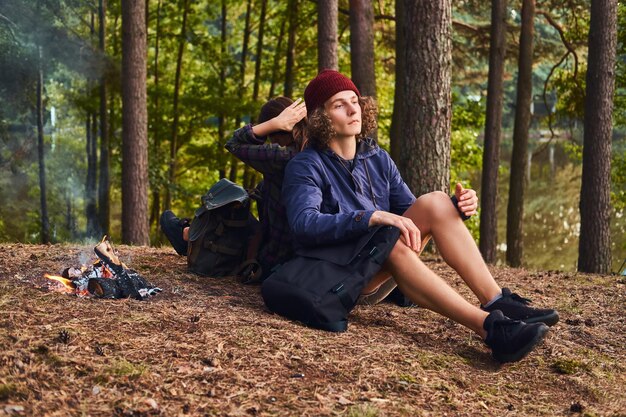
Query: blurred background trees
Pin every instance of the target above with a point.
(211, 64)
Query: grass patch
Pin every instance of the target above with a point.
(122, 367)
(11, 391)
(568, 366)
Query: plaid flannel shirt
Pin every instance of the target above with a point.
(270, 160)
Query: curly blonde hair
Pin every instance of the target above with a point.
(319, 127)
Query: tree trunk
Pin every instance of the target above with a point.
(259, 51)
(327, 34)
(425, 152)
(594, 248)
(277, 55)
(156, 148)
(362, 55)
(91, 148)
(135, 228)
(176, 115)
(515, 210)
(221, 118)
(43, 215)
(234, 161)
(91, 211)
(104, 179)
(491, 153)
(291, 47)
(396, 134)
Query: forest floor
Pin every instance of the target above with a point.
(210, 347)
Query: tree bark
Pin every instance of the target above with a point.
(493, 135)
(104, 177)
(221, 118)
(259, 51)
(277, 55)
(327, 15)
(519, 157)
(43, 215)
(291, 47)
(362, 56)
(156, 189)
(425, 151)
(234, 161)
(182, 40)
(91, 211)
(91, 181)
(135, 228)
(594, 248)
(396, 135)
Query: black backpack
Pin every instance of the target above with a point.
(321, 285)
(220, 232)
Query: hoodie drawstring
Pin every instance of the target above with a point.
(356, 183)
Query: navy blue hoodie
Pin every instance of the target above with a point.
(330, 200)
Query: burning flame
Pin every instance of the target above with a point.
(68, 284)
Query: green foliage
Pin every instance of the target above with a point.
(618, 176)
(619, 111)
(570, 89)
(468, 118)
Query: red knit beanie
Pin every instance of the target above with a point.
(324, 86)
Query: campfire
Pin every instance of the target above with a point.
(106, 277)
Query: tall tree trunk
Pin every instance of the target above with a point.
(176, 115)
(519, 157)
(104, 178)
(135, 229)
(491, 154)
(396, 134)
(91, 211)
(425, 152)
(156, 144)
(259, 51)
(251, 175)
(221, 119)
(362, 46)
(291, 47)
(594, 248)
(234, 162)
(43, 215)
(91, 130)
(327, 40)
(277, 55)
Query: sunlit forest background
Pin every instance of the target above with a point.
(212, 64)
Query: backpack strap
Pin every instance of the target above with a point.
(343, 295)
(235, 223)
(226, 250)
(333, 326)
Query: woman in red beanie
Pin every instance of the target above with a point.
(343, 185)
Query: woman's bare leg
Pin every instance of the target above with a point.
(428, 290)
(382, 276)
(435, 215)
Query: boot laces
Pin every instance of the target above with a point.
(520, 299)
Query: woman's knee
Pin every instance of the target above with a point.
(436, 205)
(399, 252)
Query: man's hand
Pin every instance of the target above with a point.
(409, 233)
(287, 119)
(467, 199)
